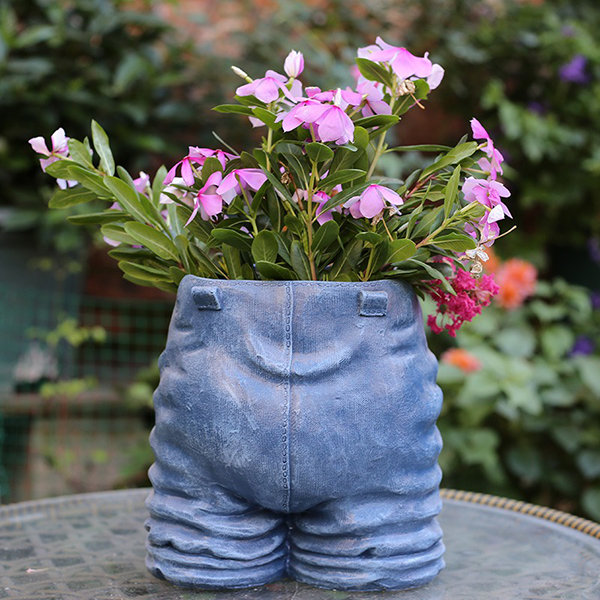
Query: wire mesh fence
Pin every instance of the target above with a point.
(76, 378)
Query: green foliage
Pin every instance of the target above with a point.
(527, 424)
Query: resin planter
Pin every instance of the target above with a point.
(295, 437)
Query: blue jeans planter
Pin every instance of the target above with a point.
(295, 436)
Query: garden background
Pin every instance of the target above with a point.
(79, 344)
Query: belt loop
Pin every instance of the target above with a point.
(206, 298)
(372, 304)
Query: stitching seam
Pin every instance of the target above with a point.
(287, 406)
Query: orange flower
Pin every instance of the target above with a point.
(460, 358)
(516, 279)
(493, 263)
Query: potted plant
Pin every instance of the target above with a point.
(295, 416)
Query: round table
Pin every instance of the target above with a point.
(92, 547)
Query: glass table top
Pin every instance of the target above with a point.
(91, 547)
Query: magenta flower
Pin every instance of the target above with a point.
(320, 198)
(248, 178)
(403, 63)
(175, 188)
(493, 163)
(196, 156)
(372, 201)
(267, 88)
(207, 201)
(436, 76)
(60, 149)
(294, 64)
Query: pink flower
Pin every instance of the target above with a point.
(60, 149)
(488, 192)
(492, 164)
(372, 201)
(267, 88)
(372, 96)
(248, 178)
(294, 64)
(196, 156)
(332, 124)
(208, 201)
(403, 63)
(142, 182)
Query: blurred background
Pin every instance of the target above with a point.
(79, 344)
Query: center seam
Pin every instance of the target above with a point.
(287, 405)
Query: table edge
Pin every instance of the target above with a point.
(8, 512)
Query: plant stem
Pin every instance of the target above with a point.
(309, 195)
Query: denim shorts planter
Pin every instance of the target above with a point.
(295, 436)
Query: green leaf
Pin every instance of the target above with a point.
(325, 236)
(377, 121)
(341, 177)
(233, 262)
(267, 117)
(374, 71)
(279, 187)
(453, 156)
(361, 137)
(234, 238)
(265, 246)
(556, 341)
(152, 239)
(420, 148)
(430, 222)
(70, 197)
(176, 274)
(211, 165)
(269, 270)
(318, 152)
(128, 198)
(401, 250)
(102, 147)
(99, 218)
(60, 169)
(143, 271)
(456, 242)
(157, 184)
(233, 108)
(130, 254)
(588, 462)
(80, 153)
(299, 260)
(589, 369)
(370, 237)
(434, 274)
(451, 192)
(341, 197)
(89, 180)
(117, 233)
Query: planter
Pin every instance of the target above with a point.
(295, 436)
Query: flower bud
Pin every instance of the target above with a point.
(294, 64)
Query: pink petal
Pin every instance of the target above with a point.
(59, 141)
(495, 214)
(39, 145)
(212, 203)
(247, 89)
(171, 174)
(406, 64)
(186, 172)
(276, 76)
(253, 178)
(228, 183)
(390, 196)
(437, 74)
(479, 132)
(352, 98)
(371, 202)
(335, 126)
(267, 90)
